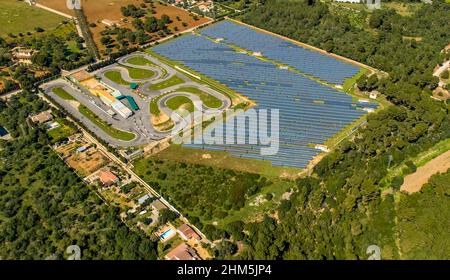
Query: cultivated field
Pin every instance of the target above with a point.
(87, 162)
(18, 17)
(414, 182)
(99, 10)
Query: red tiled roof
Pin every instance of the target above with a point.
(107, 177)
(187, 231)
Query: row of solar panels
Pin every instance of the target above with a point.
(310, 62)
(309, 111)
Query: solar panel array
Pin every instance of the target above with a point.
(309, 111)
(307, 61)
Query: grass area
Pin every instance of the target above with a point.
(65, 130)
(63, 94)
(176, 102)
(19, 17)
(154, 108)
(403, 9)
(350, 82)
(139, 61)
(116, 77)
(172, 81)
(137, 73)
(113, 132)
(223, 159)
(207, 99)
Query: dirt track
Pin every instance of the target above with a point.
(414, 182)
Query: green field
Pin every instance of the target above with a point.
(136, 73)
(19, 17)
(63, 94)
(180, 101)
(116, 77)
(222, 159)
(65, 130)
(139, 61)
(172, 81)
(207, 99)
(113, 132)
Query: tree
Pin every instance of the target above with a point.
(166, 215)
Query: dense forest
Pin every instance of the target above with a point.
(205, 193)
(46, 207)
(339, 211)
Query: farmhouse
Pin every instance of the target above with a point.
(205, 6)
(182, 253)
(187, 233)
(42, 117)
(158, 205)
(107, 178)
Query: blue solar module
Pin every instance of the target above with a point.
(309, 112)
(305, 60)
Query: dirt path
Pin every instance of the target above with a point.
(414, 182)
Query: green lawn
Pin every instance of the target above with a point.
(136, 73)
(223, 159)
(176, 102)
(139, 61)
(19, 17)
(116, 77)
(63, 94)
(65, 130)
(172, 81)
(207, 99)
(113, 132)
(154, 108)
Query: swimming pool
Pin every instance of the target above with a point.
(166, 234)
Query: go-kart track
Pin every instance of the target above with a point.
(137, 129)
(273, 73)
(276, 74)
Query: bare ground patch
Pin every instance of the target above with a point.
(414, 182)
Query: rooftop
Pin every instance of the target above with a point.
(186, 231)
(107, 177)
(158, 205)
(42, 117)
(182, 253)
